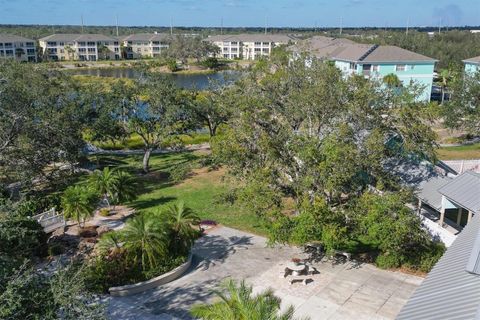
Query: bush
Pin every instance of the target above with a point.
(104, 212)
(388, 261)
(210, 63)
(172, 65)
(180, 172)
(21, 237)
(55, 249)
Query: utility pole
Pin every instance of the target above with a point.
(116, 22)
(408, 25)
(221, 26)
(81, 17)
(440, 26)
(171, 26)
(341, 25)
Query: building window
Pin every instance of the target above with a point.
(258, 43)
(412, 67)
(375, 68)
(400, 67)
(115, 43)
(233, 43)
(50, 44)
(61, 44)
(81, 44)
(30, 51)
(1, 45)
(29, 44)
(225, 55)
(92, 58)
(258, 49)
(91, 50)
(225, 49)
(53, 50)
(91, 44)
(116, 49)
(234, 49)
(265, 50)
(2, 53)
(9, 53)
(266, 44)
(83, 50)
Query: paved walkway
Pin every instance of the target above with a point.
(340, 291)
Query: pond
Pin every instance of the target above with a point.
(198, 81)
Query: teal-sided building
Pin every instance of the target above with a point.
(472, 65)
(374, 61)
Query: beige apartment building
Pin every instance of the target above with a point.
(81, 47)
(145, 45)
(16, 47)
(249, 46)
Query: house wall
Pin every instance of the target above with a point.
(81, 50)
(418, 73)
(18, 50)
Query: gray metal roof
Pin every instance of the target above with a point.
(449, 291)
(13, 38)
(473, 60)
(428, 191)
(464, 190)
(395, 54)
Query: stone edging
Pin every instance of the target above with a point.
(127, 290)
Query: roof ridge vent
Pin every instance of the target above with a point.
(375, 46)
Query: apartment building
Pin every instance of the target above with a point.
(472, 65)
(145, 45)
(249, 46)
(16, 47)
(372, 61)
(81, 47)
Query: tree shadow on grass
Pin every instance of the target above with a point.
(150, 203)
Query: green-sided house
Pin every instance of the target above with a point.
(374, 61)
(472, 65)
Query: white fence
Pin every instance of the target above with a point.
(50, 220)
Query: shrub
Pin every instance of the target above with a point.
(388, 261)
(210, 63)
(172, 65)
(55, 249)
(180, 172)
(104, 212)
(21, 237)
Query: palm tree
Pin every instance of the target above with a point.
(78, 203)
(445, 76)
(181, 219)
(146, 239)
(104, 183)
(125, 187)
(236, 302)
(392, 81)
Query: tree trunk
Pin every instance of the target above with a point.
(146, 160)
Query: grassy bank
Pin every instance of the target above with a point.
(465, 152)
(200, 191)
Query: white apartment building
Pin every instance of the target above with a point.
(16, 47)
(144, 45)
(249, 46)
(82, 47)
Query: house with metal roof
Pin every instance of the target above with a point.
(452, 289)
(143, 45)
(249, 46)
(18, 48)
(373, 61)
(472, 65)
(449, 203)
(83, 47)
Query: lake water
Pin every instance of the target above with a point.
(186, 81)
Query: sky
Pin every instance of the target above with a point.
(243, 13)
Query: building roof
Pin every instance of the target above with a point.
(395, 54)
(13, 38)
(146, 37)
(475, 60)
(428, 191)
(450, 291)
(279, 38)
(464, 190)
(347, 50)
(66, 37)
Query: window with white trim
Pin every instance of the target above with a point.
(400, 67)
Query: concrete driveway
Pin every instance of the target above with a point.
(340, 291)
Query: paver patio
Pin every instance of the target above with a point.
(340, 291)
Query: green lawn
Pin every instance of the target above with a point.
(471, 151)
(200, 191)
(135, 142)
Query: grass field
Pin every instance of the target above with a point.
(465, 152)
(200, 190)
(135, 142)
